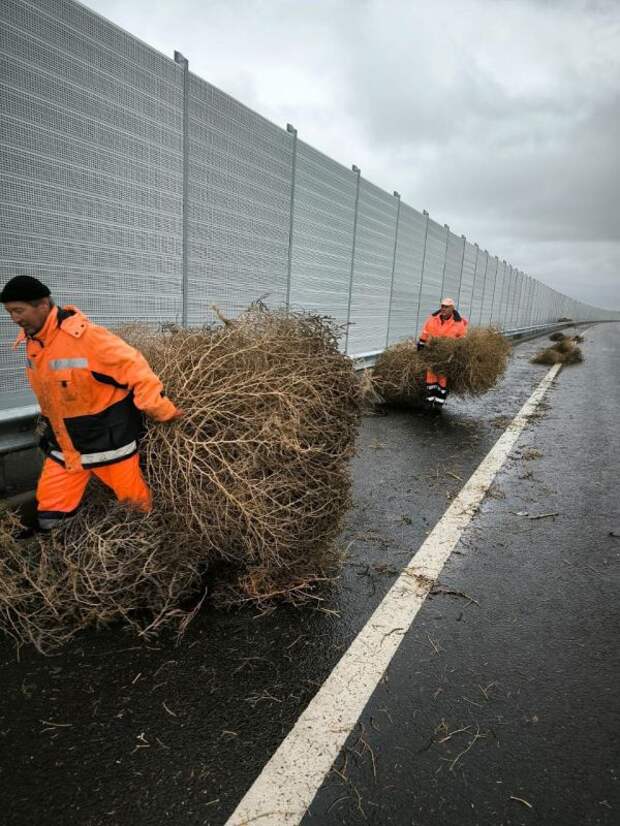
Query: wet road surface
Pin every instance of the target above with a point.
(110, 731)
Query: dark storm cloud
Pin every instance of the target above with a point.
(499, 116)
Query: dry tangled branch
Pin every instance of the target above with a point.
(255, 477)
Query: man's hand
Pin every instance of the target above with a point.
(178, 414)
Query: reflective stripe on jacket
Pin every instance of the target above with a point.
(453, 327)
(90, 386)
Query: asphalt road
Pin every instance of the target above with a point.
(110, 731)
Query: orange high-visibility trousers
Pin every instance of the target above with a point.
(59, 492)
(436, 388)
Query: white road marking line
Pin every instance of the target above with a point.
(282, 793)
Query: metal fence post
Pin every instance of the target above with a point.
(445, 262)
(357, 172)
(292, 131)
(417, 318)
(458, 298)
(389, 318)
(184, 63)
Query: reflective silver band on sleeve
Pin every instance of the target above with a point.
(67, 364)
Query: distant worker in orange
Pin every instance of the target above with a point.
(91, 387)
(444, 322)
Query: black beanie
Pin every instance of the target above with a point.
(23, 288)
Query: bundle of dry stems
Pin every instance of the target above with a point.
(472, 365)
(254, 479)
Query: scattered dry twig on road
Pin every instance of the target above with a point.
(543, 515)
(477, 736)
(521, 800)
(440, 589)
(452, 733)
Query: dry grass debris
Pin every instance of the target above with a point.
(254, 479)
(113, 563)
(564, 351)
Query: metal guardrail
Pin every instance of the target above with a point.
(17, 423)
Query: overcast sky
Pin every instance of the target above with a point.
(501, 117)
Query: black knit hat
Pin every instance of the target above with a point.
(23, 288)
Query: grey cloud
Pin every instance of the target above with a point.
(501, 118)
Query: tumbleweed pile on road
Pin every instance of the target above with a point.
(564, 351)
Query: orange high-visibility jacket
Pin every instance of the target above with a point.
(453, 327)
(90, 386)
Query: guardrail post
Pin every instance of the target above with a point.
(184, 63)
(389, 318)
(292, 131)
(417, 318)
(357, 173)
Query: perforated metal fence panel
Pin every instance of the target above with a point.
(452, 267)
(407, 273)
(323, 218)
(466, 289)
(372, 269)
(490, 296)
(239, 192)
(141, 192)
(433, 269)
(91, 163)
(478, 286)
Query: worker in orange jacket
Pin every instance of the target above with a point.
(444, 322)
(91, 387)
